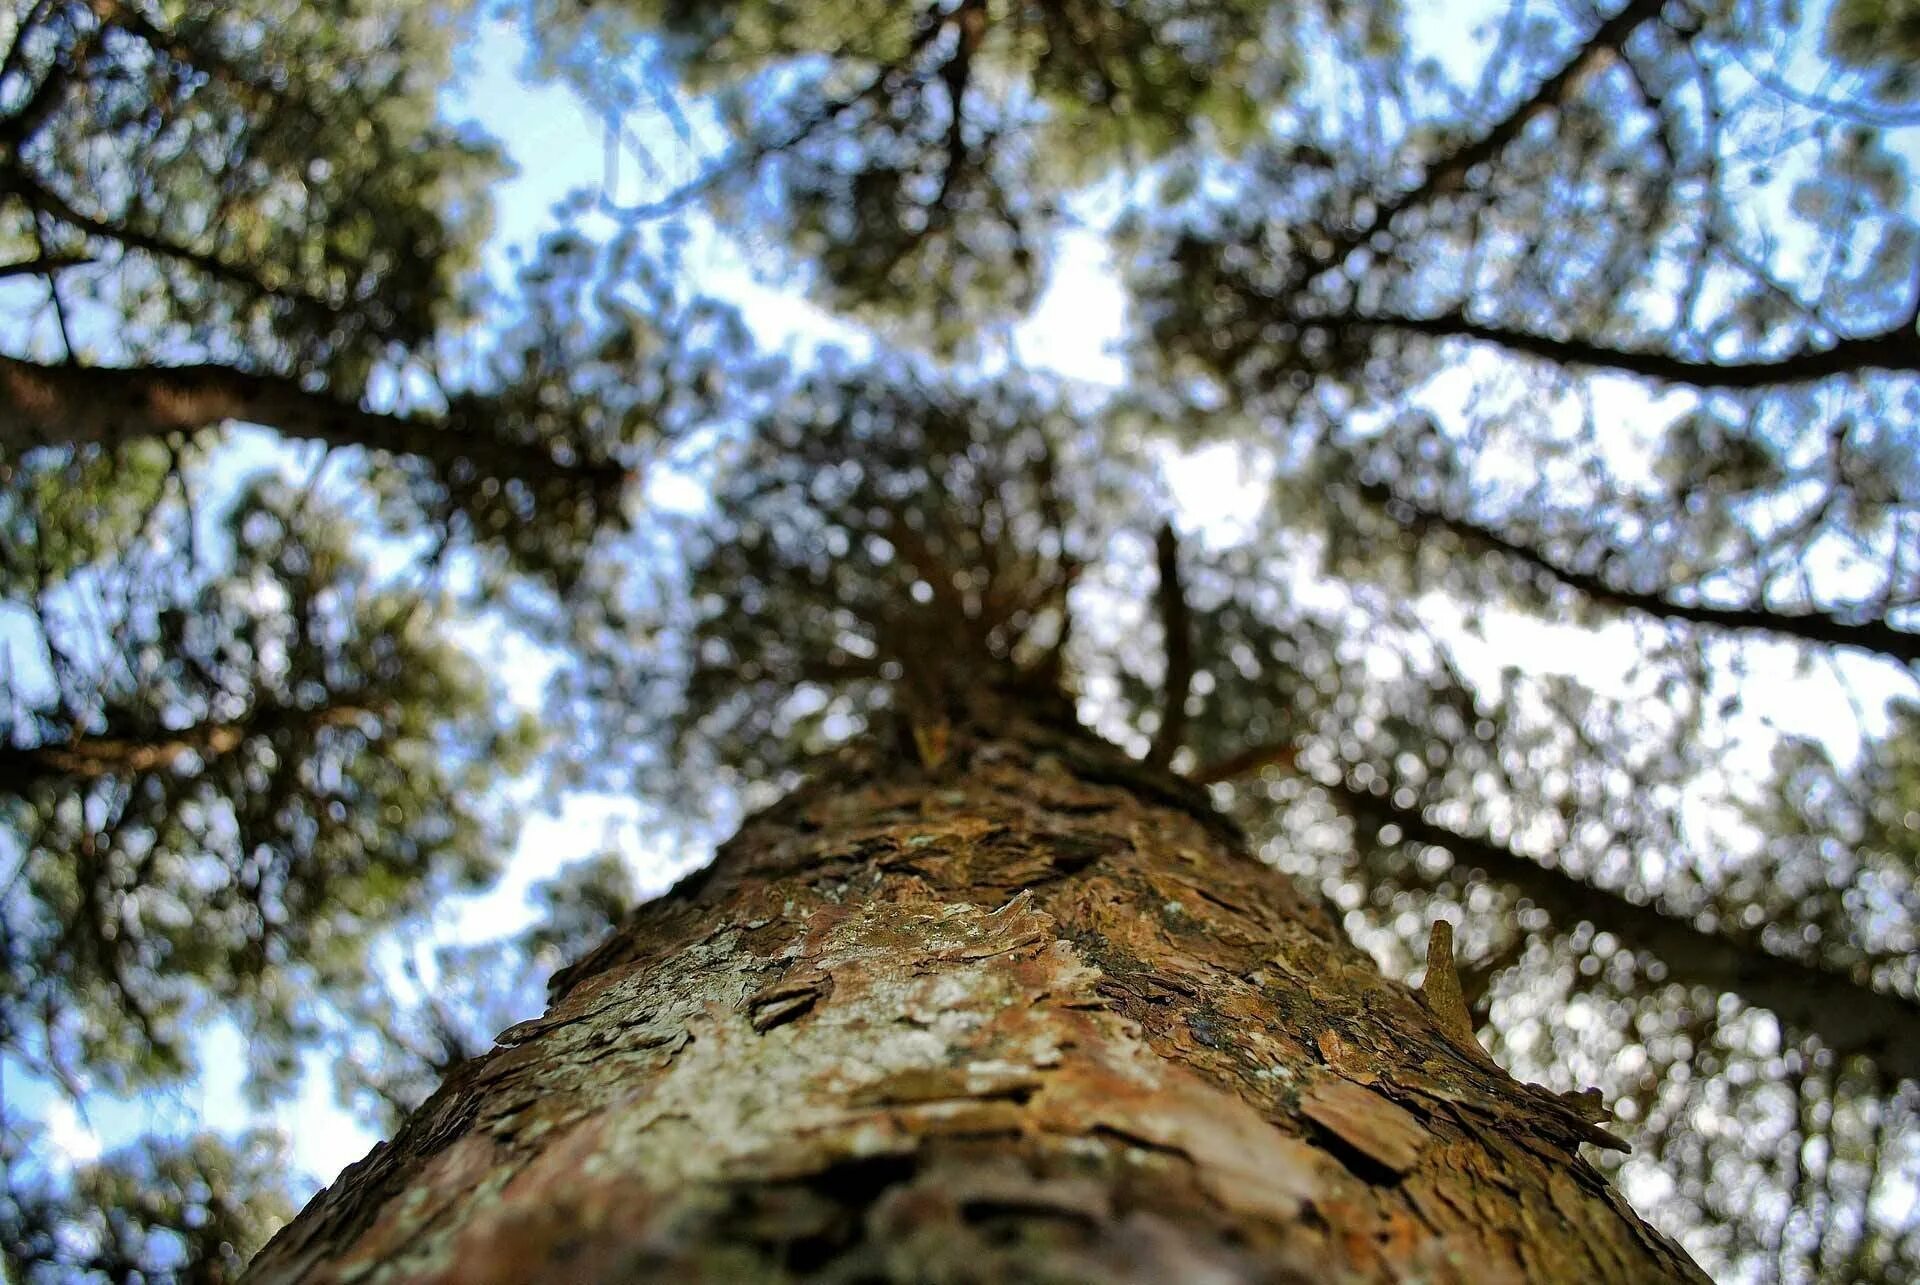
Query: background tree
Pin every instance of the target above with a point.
(253, 214)
(1654, 400)
(916, 160)
(226, 773)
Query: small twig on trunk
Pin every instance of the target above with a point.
(1176, 623)
(1280, 754)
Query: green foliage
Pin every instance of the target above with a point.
(59, 515)
(575, 908)
(268, 762)
(1882, 36)
(263, 183)
(917, 158)
(267, 188)
(1841, 868)
(599, 364)
(164, 1212)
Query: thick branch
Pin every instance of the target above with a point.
(1177, 626)
(1848, 1016)
(1449, 173)
(1811, 626)
(76, 405)
(1897, 349)
(90, 758)
(44, 266)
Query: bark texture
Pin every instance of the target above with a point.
(1033, 1013)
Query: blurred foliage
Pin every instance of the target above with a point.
(1563, 367)
(263, 182)
(164, 1212)
(267, 192)
(224, 785)
(868, 520)
(598, 364)
(916, 159)
(59, 517)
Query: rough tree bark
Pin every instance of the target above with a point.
(1005, 1006)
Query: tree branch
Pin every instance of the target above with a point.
(1821, 627)
(1897, 349)
(90, 758)
(77, 405)
(44, 265)
(1448, 173)
(1280, 754)
(1849, 1016)
(1176, 625)
(15, 179)
(971, 21)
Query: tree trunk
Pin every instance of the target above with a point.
(1015, 1008)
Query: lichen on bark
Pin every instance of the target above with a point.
(1033, 1013)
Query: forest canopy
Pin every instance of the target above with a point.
(455, 459)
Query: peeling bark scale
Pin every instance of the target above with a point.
(1034, 1015)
